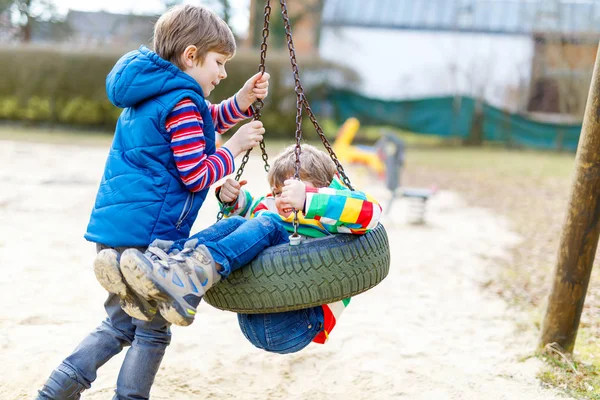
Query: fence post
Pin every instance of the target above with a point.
(580, 231)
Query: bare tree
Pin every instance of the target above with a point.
(29, 11)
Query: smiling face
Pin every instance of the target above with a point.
(284, 209)
(209, 72)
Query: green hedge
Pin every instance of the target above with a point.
(53, 86)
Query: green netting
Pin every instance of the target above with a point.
(453, 117)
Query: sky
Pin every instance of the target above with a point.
(239, 20)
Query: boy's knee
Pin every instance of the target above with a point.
(156, 333)
(63, 383)
(265, 218)
(153, 340)
(271, 222)
(237, 219)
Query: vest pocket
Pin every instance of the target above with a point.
(187, 207)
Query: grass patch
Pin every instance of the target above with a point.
(576, 378)
(494, 162)
(579, 374)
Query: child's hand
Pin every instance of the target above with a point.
(231, 190)
(294, 194)
(247, 137)
(255, 88)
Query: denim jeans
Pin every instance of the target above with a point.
(234, 242)
(284, 332)
(148, 341)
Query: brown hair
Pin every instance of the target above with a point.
(315, 166)
(185, 25)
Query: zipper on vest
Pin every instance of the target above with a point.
(187, 207)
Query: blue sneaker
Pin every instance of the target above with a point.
(106, 268)
(176, 282)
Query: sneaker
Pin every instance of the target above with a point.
(106, 268)
(176, 282)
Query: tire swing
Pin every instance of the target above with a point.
(310, 272)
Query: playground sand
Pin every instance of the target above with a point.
(428, 331)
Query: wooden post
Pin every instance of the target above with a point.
(579, 237)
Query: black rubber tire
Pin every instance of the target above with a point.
(318, 271)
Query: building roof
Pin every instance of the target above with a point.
(104, 26)
(521, 17)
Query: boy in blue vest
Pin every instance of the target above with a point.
(162, 161)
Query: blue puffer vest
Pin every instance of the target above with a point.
(141, 196)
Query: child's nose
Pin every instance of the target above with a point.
(223, 74)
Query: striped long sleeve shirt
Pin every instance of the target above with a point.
(334, 209)
(196, 169)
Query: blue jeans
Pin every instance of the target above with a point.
(148, 341)
(284, 332)
(234, 242)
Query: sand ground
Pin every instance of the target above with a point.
(428, 331)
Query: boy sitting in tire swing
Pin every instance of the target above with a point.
(176, 275)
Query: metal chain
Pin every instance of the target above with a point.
(332, 154)
(259, 104)
(302, 101)
(299, 96)
(256, 107)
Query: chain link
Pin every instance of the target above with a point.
(299, 89)
(302, 102)
(256, 107)
(299, 103)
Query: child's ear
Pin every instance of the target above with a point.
(189, 56)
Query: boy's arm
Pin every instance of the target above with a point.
(197, 170)
(342, 210)
(227, 113)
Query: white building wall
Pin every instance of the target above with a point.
(401, 64)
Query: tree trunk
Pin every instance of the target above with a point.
(26, 31)
(580, 232)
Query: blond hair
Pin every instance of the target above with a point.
(315, 166)
(185, 25)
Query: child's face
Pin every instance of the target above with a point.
(283, 208)
(209, 73)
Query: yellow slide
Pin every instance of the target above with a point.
(347, 153)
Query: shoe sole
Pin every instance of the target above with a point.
(138, 277)
(112, 281)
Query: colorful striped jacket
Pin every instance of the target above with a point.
(330, 210)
